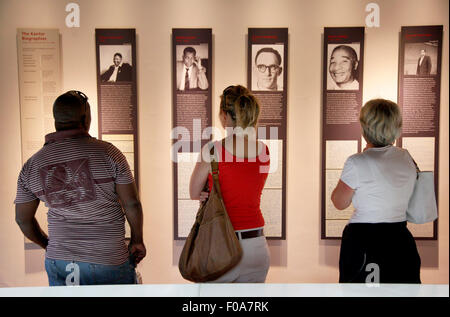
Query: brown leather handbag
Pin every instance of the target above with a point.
(212, 247)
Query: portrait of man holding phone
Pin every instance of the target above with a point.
(190, 72)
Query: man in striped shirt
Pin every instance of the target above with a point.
(88, 188)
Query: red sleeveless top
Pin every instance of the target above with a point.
(241, 182)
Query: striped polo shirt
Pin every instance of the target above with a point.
(75, 174)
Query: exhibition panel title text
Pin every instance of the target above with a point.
(34, 36)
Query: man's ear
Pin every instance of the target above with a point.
(355, 67)
(280, 69)
(86, 118)
(84, 122)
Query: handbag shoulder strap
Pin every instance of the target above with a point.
(215, 170)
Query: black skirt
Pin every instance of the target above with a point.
(378, 253)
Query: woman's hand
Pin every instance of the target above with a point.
(203, 196)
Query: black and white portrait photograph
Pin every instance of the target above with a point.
(268, 67)
(420, 59)
(343, 66)
(116, 63)
(191, 67)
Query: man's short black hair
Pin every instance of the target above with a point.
(269, 50)
(69, 110)
(118, 54)
(189, 49)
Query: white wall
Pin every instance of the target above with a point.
(303, 257)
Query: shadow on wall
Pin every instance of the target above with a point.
(329, 252)
(3, 284)
(429, 253)
(34, 261)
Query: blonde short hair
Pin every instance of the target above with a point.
(381, 122)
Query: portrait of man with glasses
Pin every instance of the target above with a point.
(267, 69)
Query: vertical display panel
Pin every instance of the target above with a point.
(39, 61)
(419, 87)
(267, 74)
(191, 116)
(117, 94)
(343, 60)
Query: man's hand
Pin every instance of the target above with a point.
(198, 62)
(133, 211)
(25, 218)
(138, 251)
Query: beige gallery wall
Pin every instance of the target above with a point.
(303, 257)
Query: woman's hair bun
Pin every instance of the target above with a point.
(242, 105)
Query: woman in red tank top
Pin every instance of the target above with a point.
(243, 168)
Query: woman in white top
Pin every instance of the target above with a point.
(376, 244)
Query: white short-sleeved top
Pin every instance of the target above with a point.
(383, 179)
